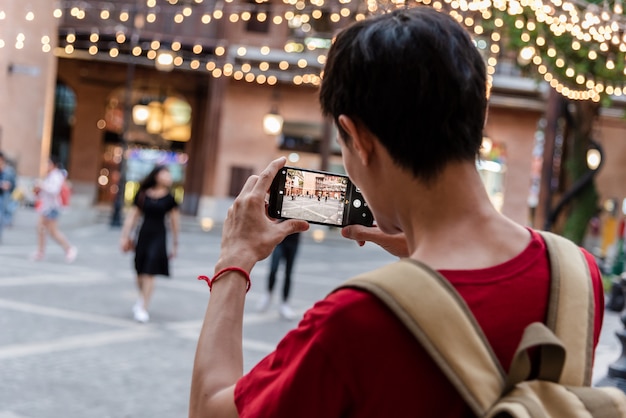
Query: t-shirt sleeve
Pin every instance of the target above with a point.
(173, 204)
(138, 200)
(299, 378)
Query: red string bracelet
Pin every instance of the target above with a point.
(220, 273)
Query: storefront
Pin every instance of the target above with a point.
(159, 128)
(166, 126)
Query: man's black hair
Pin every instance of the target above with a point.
(414, 78)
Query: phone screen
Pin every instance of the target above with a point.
(317, 197)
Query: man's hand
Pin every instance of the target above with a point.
(394, 244)
(249, 235)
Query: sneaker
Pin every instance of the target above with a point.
(264, 303)
(37, 256)
(141, 315)
(138, 305)
(286, 312)
(71, 254)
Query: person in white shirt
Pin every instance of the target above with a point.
(49, 205)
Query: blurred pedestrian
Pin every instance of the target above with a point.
(287, 251)
(48, 206)
(7, 184)
(153, 201)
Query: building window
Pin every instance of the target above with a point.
(238, 177)
(256, 25)
(158, 120)
(306, 137)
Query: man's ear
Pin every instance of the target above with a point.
(360, 138)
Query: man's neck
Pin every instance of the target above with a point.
(452, 224)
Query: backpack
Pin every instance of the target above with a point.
(421, 298)
(65, 194)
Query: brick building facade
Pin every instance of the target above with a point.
(226, 141)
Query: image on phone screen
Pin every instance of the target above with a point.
(317, 197)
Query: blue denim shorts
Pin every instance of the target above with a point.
(51, 214)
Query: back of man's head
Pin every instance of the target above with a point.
(415, 79)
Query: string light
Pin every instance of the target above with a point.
(598, 31)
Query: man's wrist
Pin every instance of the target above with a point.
(243, 262)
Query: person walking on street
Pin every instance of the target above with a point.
(153, 201)
(407, 91)
(287, 251)
(49, 204)
(7, 185)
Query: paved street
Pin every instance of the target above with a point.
(70, 349)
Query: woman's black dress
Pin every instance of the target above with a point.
(151, 248)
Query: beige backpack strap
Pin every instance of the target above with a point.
(442, 323)
(552, 355)
(571, 307)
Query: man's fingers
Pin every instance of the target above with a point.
(249, 184)
(267, 176)
(359, 232)
(291, 226)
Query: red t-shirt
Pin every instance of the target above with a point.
(351, 357)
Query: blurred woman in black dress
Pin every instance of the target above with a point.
(153, 201)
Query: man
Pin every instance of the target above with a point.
(7, 185)
(286, 250)
(407, 91)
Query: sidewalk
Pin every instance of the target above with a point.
(69, 347)
(76, 218)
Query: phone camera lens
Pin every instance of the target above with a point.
(357, 203)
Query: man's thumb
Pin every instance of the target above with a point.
(291, 226)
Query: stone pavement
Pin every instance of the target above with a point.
(69, 347)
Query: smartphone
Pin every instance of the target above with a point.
(317, 197)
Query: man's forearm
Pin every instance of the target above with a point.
(219, 356)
